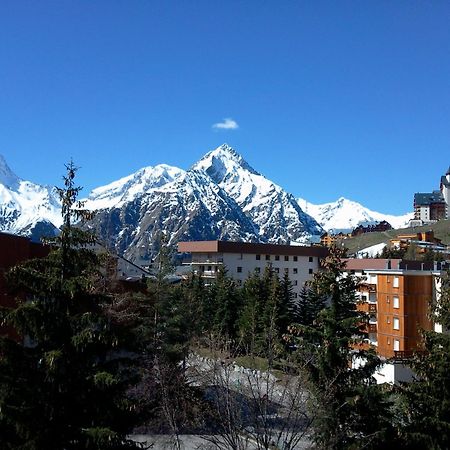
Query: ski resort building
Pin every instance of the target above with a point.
(433, 206)
(396, 294)
(242, 259)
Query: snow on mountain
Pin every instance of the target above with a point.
(129, 188)
(275, 212)
(345, 215)
(191, 207)
(23, 204)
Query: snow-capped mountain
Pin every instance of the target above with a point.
(191, 206)
(274, 211)
(127, 189)
(27, 208)
(220, 197)
(345, 215)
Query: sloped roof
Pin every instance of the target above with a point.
(427, 198)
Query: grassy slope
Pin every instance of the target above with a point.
(441, 231)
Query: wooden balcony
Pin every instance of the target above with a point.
(367, 287)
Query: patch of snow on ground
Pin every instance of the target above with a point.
(371, 252)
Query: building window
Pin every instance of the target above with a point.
(257, 270)
(311, 259)
(267, 257)
(239, 270)
(295, 295)
(295, 270)
(295, 282)
(277, 270)
(286, 258)
(396, 345)
(277, 257)
(258, 257)
(310, 271)
(295, 258)
(395, 284)
(286, 270)
(396, 324)
(396, 302)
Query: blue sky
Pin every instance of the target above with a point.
(329, 98)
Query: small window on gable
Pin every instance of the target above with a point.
(277, 257)
(295, 258)
(286, 258)
(267, 257)
(311, 259)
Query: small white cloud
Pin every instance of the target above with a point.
(226, 124)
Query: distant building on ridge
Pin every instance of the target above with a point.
(433, 206)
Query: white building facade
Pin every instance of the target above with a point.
(241, 259)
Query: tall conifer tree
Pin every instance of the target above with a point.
(349, 410)
(64, 386)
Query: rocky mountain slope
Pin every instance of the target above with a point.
(274, 211)
(190, 207)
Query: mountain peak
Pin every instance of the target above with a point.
(7, 177)
(222, 161)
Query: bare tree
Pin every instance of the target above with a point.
(250, 408)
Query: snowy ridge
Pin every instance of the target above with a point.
(23, 204)
(345, 215)
(128, 188)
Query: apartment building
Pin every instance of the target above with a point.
(242, 259)
(396, 294)
(433, 206)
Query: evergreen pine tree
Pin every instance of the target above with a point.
(64, 386)
(310, 303)
(349, 411)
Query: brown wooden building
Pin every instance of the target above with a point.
(13, 250)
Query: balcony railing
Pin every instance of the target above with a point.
(403, 354)
(372, 308)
